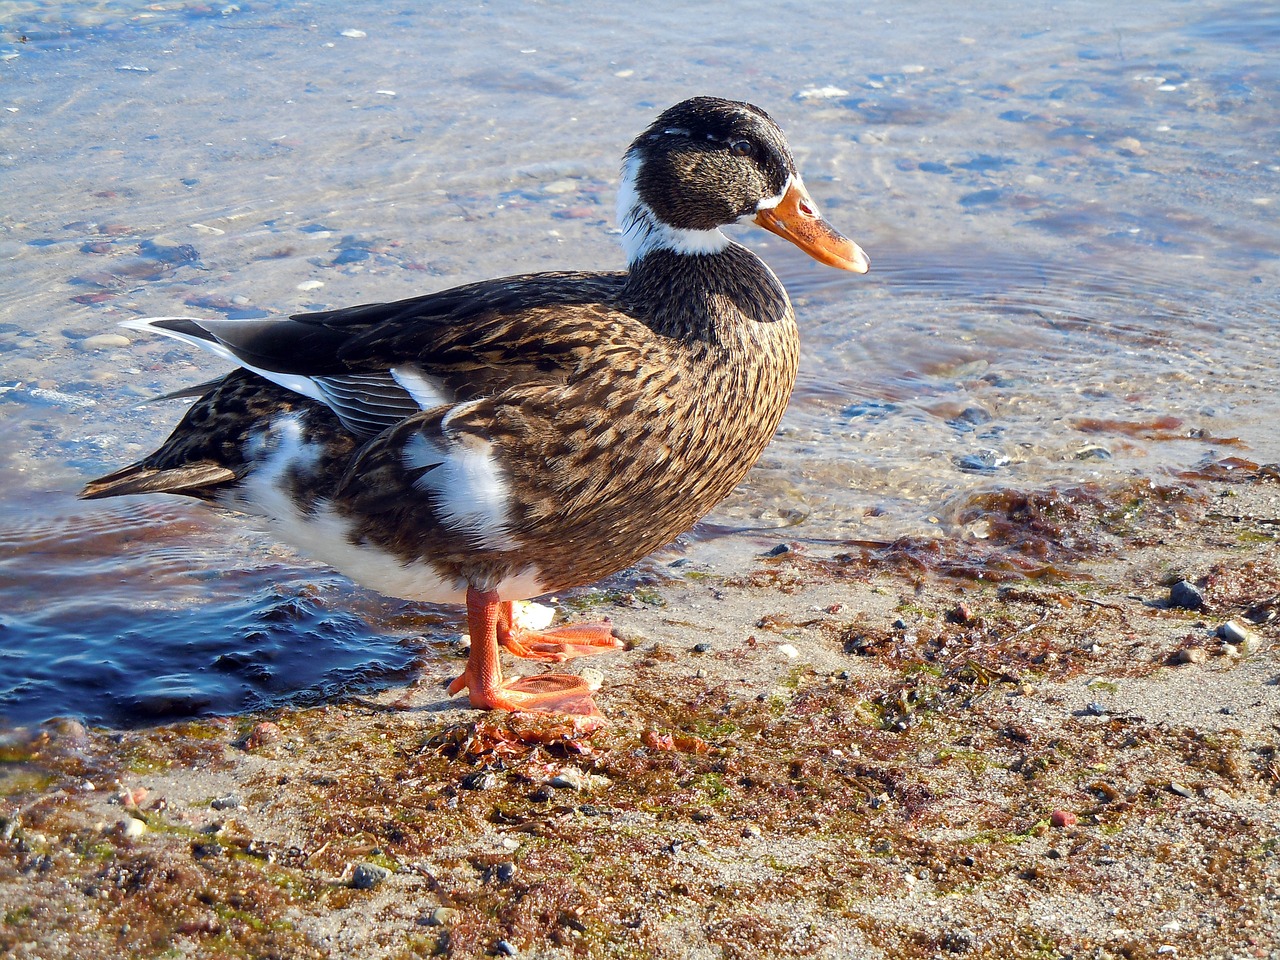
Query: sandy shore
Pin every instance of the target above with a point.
(1006, 743)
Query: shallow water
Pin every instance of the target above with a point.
(1070, 215)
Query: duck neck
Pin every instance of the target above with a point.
(707, 296)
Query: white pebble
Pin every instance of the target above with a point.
(306, 285)
(207, 230)
(788, 651)
(354, 34)
(132, 828)
(532, 616)
(103, 341)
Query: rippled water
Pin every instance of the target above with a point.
(1070, 214)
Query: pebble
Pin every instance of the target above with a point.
(479, 780)
(354, 34)
(1232, 632)
(593, 678)
(788, 651)
(1063, 818)
(504, 872)
(505, 949)
(225, 803)
(441, 917)
(751, 831)
(1192, 655)
(1185, 595)
(570, 778)
(1181, 791)
(368, 875)
(307, 285)
(132, 828)
(262, 734)
(1093, 452)
(103, 341)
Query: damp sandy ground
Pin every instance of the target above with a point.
(914, 749)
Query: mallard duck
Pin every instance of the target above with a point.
(511, 438)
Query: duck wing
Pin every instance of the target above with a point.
(376, 364)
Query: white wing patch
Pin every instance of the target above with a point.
(427, 392)
(466, 485)
(326, 535)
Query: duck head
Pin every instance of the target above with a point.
(707, 162)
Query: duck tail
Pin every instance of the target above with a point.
(196, 479)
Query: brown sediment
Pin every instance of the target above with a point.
(867, 755)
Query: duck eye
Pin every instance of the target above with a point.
(740, 148)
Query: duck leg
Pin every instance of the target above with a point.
(555, 644)
(483, 680)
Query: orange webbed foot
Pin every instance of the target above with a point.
(557, 644)
(490, 623)
(545, 693)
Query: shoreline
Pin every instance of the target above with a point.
(1008, 745)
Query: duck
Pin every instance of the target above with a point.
(517, 437)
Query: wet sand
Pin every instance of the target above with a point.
(1008, 746)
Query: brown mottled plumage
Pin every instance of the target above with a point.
(514, 437)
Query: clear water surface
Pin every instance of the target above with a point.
(1071, 214)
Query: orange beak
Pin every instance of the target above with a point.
(796, 218)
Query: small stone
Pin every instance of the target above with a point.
(1232, 632)
(225, 803)
(132, 828)
(1192, 655)
(504, 949)
(1131, 146)
(788, 651)
(751, 832)
(593, 678)
(1181, 791)
(368, 875)
(960, 614)
(1093, 452)
(504, 872)
(1063, 818)
(570, 778)
(354, 34)
(1184, 594)
(133, 796)
(262, 734)
(700, 674)
(103, 341)
(780, 550)
(479, 780)
(702, 648)
(441, 917)
(308, 285)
